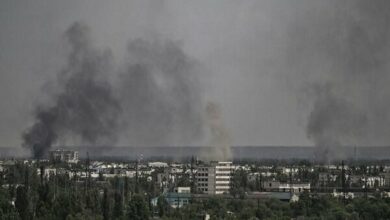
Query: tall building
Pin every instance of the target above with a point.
(68, 156)
(205, 179)
(214, 178)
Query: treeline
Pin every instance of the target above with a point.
(25, 194)
(308, 207)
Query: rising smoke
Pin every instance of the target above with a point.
(161, 94)
(341, 53)
(220, 136)
(85, 107)
(157, 102)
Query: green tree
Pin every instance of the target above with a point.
(106, 205)
(62, 206)
(137, 208)
(118, 205)
(239, 183)
(21, 202)
(162, 206)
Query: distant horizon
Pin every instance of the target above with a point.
(237, 152)
(129, 146)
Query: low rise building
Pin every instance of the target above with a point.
(157, 164)
(276, 186)
(182, 189)
(325, 178)
(177, 199)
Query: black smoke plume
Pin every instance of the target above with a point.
(158, 99)
(161, 94)
(85, 107)
(341, 51)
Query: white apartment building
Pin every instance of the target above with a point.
(223, 174)
(214, 178)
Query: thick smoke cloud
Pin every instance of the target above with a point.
(157, 101)
(341, 53)
(85, 107)
(161, 94)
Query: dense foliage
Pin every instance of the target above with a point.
(25, 194)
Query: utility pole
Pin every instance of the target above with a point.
(55, 184)
(192, 175)
(261, 181)
(343, 181)
(365, 186)
(87, 174)
(136, 177)
(291, 188)
(123, 192)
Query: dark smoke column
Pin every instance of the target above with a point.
(84, 107)
(41, 135)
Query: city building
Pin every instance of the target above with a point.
(325, 178)
(166, 177)
(277, 186)
(182, 189)
(214, 178)
(68, 156)
(177, 199)
(157, 164)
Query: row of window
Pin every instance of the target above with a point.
(202, 180)
(183, 201)
(203, 174)
(203, 184)
(222, 174)
(224, 169)
(222, 184)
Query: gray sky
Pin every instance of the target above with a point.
(244, 48)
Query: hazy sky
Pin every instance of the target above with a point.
(243, 47)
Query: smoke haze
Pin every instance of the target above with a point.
(161, 95)
(300, 72)
(349, 73)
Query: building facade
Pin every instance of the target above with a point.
(205, 179)
(223, 174)
(214, 178)
(276, 186)
(67, 156)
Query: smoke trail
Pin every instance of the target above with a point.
(85, 107)
(161, 94)
(342, 53)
